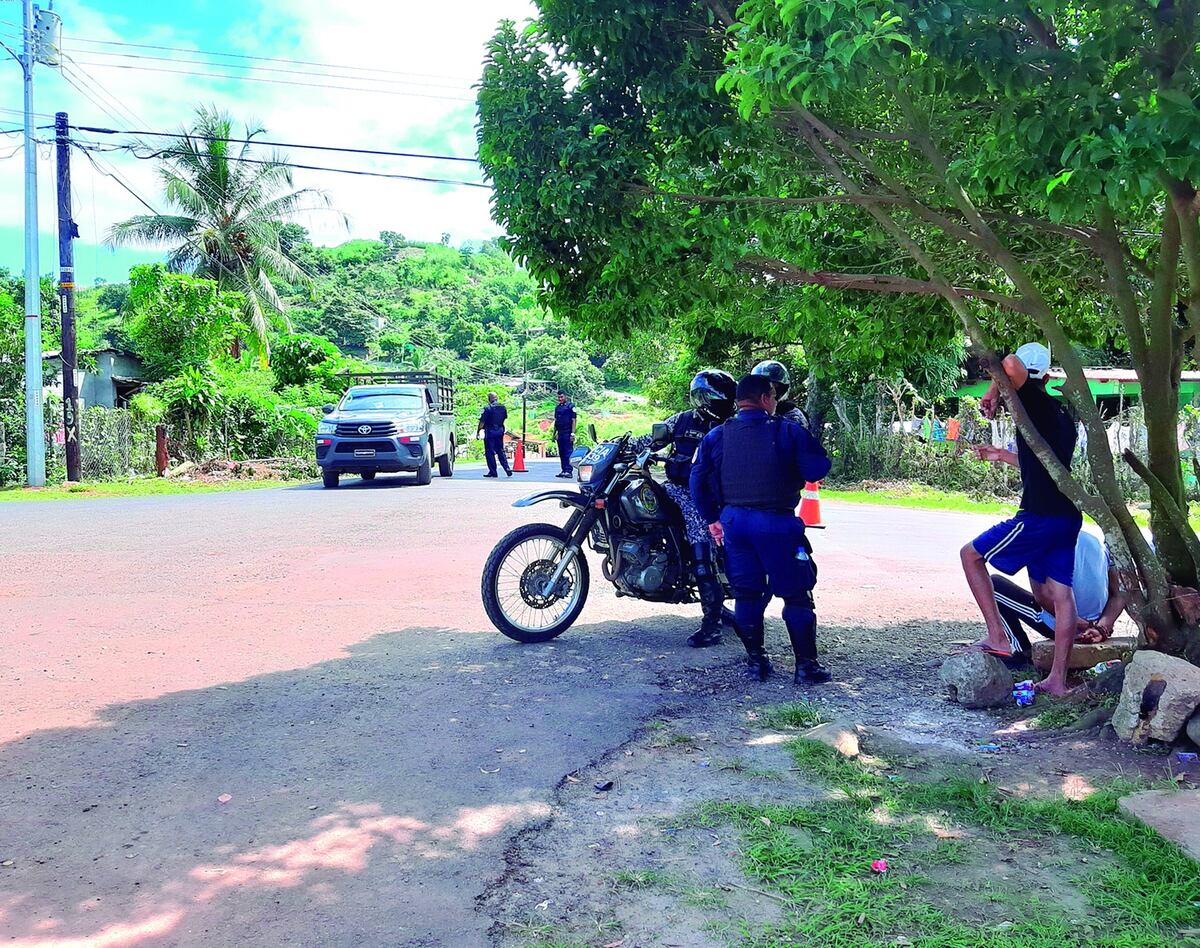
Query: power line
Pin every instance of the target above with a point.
(259, 141)
(463, 87)
(165, 153)
(278, 82)
(265, 59)
(362, 301)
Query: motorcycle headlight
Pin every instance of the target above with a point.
(326, 427)
(585, 473)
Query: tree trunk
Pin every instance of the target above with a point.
(1160, 401)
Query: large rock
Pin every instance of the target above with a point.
(1193, 729)
(976, 679)
(1159, 695)
(1084, 656)
(842, 737)
(1174, 814)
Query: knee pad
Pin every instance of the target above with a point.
(799, 613)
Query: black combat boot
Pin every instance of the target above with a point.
(802, 630)
(811, 672)
(711, 600)
(757, 660)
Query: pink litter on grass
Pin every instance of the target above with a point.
(880, 866)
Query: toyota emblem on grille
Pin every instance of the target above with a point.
(364, 429)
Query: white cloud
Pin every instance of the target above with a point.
(440, 45)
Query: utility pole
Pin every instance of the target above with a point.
(67, 232)
(35, 434)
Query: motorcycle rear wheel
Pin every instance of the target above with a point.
(511, 596)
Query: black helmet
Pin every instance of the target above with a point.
(711, 393)
(777, 372)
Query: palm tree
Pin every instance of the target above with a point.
(228, 212)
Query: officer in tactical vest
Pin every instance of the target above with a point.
(746, 482)
(711, 394)
(781, 380)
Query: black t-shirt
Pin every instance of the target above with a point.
(1039, 493)
(493, 418)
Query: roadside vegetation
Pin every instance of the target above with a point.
(951, 875)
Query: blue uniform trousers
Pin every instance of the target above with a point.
(566, 444)
(493, 450)
(766, 554)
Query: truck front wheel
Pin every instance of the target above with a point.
(329, 478)
(425, 471)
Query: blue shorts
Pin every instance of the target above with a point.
(1043, 545)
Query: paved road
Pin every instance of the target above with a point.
(322, 658)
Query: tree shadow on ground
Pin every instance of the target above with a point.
(363, 800)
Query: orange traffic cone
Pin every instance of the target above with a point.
(810, 504)
(519, 458)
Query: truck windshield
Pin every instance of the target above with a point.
(383, 401)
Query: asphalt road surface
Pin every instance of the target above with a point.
(281, 716)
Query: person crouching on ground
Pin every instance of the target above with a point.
(746, 481)
(1041, 537)
(1098, 601)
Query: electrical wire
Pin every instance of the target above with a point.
(266, 59)
(278, 82)
(275, 144)
(167, 153)
(362, 301)
(124, 184)
(459, 86)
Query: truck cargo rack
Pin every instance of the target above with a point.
(440, 386)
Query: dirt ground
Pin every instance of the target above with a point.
(281, 717)
(629, 866)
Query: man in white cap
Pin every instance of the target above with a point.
(1041, 538)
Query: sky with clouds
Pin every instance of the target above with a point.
(424, 59)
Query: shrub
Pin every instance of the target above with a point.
(303, 358)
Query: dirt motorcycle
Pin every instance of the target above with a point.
(536, 579)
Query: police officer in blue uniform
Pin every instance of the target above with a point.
(712, 396)
(564, 432)
(781, 380)
(491, 423)
(746, 482)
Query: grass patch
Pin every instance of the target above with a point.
(1055, 717)
(921, 497)
(795, 715)
(641, 879)
(1117, 883)
(146, 487)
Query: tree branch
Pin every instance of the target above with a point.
(1111, 254)
(721, 12)
(764, 199)
(1167, 505)
(1042, 31)
(783, 272)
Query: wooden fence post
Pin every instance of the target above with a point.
(161, 460)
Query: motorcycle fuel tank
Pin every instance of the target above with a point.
(644, 503)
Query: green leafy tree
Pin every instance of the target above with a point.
(176, 321)
(303, 358)
(860, 176)
(226, 217)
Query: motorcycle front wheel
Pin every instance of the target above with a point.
(514, 594)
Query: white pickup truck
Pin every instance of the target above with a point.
(389, 422)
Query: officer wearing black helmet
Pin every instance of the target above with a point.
(746, 482)
(711, 394)
(781, 379)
